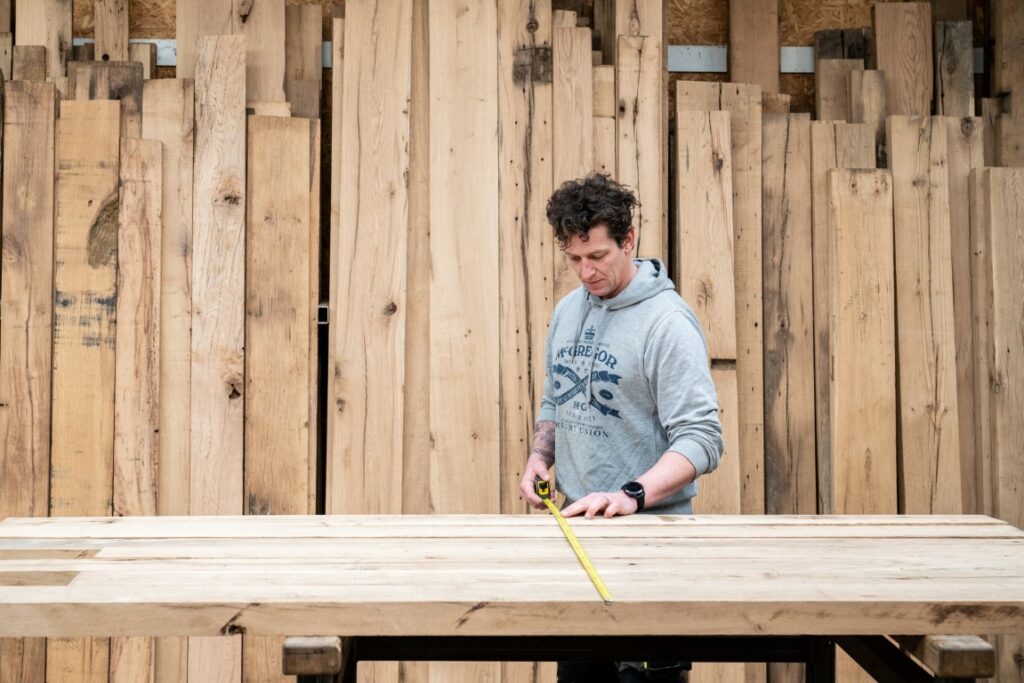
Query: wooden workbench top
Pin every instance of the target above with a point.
(509, 575)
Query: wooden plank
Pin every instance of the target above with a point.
(26, 278)
(867, 104)
(262, 22)
(5, 16)
(218, 319)
(604, 146)
(137, 372)
(314, 296)
(991, 109)
(1008, 51)
(965, 144)
(268, 108)
(137, 384)
(464, 322)
(6, 55)
(365, 424)
(85, 273)
(720, 490)
(144, 54)
(84, 53)
(525, 246)
(604, 91)
(981, 296)
(1010, 136)
(776, 104)
(903, 44)
(754, 43)
(862, 404)
(641, 162)
(111, 30)
(46, 23)
(789, 428)
(744, 104)
(954, 68)
(929, 439)
(29, 63)
(304, 59)
(838, 43)
(833, 145)
(832, 90)
(111, 81)
(1005, 215)
(704, 226)
(573, 112)
(194, 18)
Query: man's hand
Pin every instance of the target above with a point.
(609, 504)
(535, 467)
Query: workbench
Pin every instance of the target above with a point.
(736, 588)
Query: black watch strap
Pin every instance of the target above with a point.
(635, 490)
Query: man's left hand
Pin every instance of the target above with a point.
(608, 503)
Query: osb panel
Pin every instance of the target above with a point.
(155, 18)
(696, 22)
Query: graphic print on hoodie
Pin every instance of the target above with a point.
(627, 378)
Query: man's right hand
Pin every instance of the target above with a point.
(535, 468)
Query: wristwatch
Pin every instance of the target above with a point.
(635, 490)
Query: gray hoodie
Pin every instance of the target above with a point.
(627, 379)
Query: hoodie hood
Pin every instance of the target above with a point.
(651, 278)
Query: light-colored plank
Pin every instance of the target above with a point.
(144, 54)
(46, 23)
(903, 45)
(929, 418)
(137, 384)
(525, 238)
(867, 102)
(604, 91)
(832, 90)
(268, 108)
(720, 490)
(195, 18)
(640, 97)
(704, 226)
(776, 104)
(464, 321)
(573, 112)
(862, 404)
(954, 68)
(833, 145)
(966, 152)
(754, 43)
(604, 146)
(304, 59)
(29, 63)
(6, 55)
(981, 296)
(111, 30)
(789, 429)
(111, 81)
(314, 296)
(366, 372)
(85, 273)
(26, 277)
(262, 22)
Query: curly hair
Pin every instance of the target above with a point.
(579, 205)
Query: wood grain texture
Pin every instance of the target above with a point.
(111, 30)
(111, 81)
(789, 430)
(929, 439)
(6, 55)
(704, 227)
(991, 108)
(85, 273)
(754, 43)
(304, 59)
(833, 145)
(640, 159)
(954, 68)
(144, 54)
(464, 321)
(137, 385)
(604, 120)
(862, 343)
(367, 368)
(1008, 51)
(981, 296)
(46, 23)
(168, 117)
(744, 104)
(832, 89)
(966, 152)
(573, 120)
(903, 45)
(867, 103)
(315, 293)
(26, 279)
(720, 490)
(262, 22)
(277, 425)
(525, 241)
(29, 63)
(195, 18)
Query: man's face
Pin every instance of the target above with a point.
(602, 266)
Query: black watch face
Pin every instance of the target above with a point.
(633, 488)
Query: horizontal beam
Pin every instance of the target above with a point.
(681, 58)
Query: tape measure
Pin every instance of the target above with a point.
(543, 489)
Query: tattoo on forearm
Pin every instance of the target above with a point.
(544, 440)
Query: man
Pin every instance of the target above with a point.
(629, 412)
